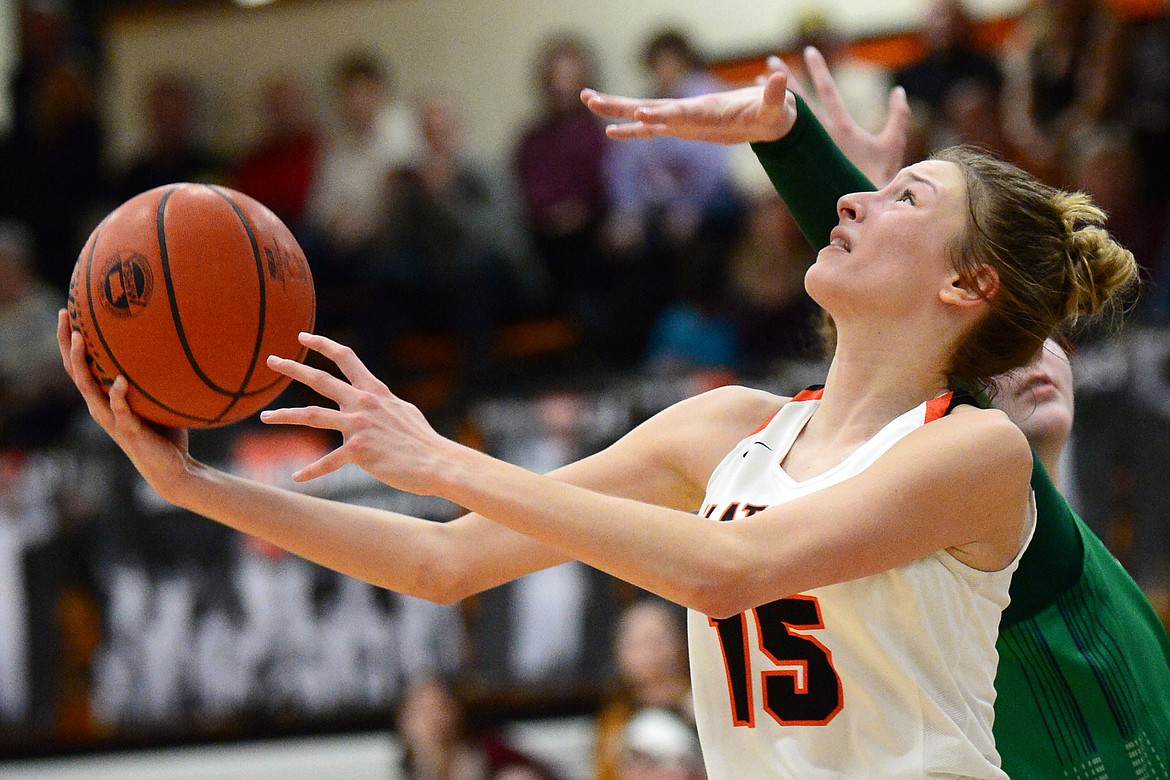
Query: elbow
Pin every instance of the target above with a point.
(431, 574)
(452, 586)
(737, 579)
(721, 590)
(719, 606)
(442, 582)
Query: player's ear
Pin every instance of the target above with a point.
(972, 288)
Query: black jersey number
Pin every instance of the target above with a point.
(803, 688)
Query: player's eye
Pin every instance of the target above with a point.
(907, 196)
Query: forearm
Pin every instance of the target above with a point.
(441, 562)
(810, 173)
(667, 551)
(386, 549)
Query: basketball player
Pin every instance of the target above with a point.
(1084, 671)
(853, 549)
(1081, 651)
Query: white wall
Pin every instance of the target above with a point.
(477, 50)
(9, 52)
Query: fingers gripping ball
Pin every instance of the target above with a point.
(185, 290)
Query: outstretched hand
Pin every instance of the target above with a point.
(159, 454)
(880, 156)
(764, 112)
(384, 435)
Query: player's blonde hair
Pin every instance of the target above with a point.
(1054, 260)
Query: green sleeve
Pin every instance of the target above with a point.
(810, 173)
(1054, 559)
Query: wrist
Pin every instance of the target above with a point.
(453, 469)
(190, 481)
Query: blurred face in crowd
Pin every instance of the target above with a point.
(946, 25)
(360, 101)
(668, 68)
(1039, 397)
(429, 714)
(566, 73)
(170, 108)
(649, 644)
(439, 117)
(287, 108)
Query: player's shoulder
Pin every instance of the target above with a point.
(734, 406)
(716, 418)
(977, 418)
(980, 433)
(693, 435)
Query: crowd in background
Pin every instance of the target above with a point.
(575, 269)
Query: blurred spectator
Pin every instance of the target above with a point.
(278, 167)
(952, 75)
(1122, 474)
(774, 317)
(438, 746)
(36, 403)
(175, 150)
(696, 331)
(373, 134)
(1059, 73)
(650, 652)
(675, 206)
(658, 744)
(863, 86)
(1103, 160)
(51, 162)
(51, 32)
(448, 251)
(547, 632)
(1144, 97)
(972, 114)
(951, 57)
(559, 164)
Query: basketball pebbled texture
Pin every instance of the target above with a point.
(185, 290)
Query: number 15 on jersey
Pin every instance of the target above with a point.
(800, 686)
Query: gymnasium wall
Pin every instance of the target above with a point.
(8, 55)
(479, 52)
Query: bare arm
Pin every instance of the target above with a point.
(954, 491)
(438, 561)
(961, 484)
(765, 112)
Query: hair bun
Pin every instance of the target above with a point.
(1099, 268)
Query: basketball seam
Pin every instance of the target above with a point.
(164, 261)
(93, 317)
(263, 306)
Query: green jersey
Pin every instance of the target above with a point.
(1083, 685)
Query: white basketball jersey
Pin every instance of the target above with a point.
(886, 676)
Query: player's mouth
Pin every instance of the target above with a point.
(1039, 386)
(839, 240)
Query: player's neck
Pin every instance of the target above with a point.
(1049, 454)
(869, 385)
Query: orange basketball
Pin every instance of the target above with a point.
(185, 290)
